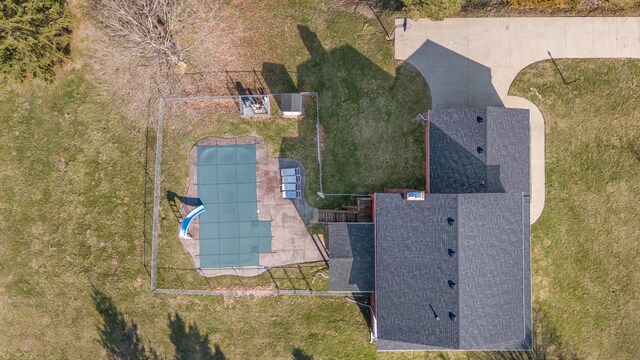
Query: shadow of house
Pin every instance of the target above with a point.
(364, 305)
(118, 336)
(457, 170)
(479, 150)
(362, 106)
(460, 81)
(447, 251)
(190, 343)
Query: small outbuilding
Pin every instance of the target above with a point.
(351, 257)
(291, 106)
(255, 106)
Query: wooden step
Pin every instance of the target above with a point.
(327, 216)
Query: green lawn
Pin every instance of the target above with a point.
(368, 101)
(73, 212)
(367, 105)
(585, 249)
(72, 217)
(585, 246)
(184, 125)
(72, 280)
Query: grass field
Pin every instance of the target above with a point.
(72, 280)
(367, 105)
(73, 180)
(585, 249)
(585, 246)
(185, 124)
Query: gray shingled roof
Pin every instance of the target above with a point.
(291, 102)
(490, 268)
(413, 269)
(351, 262)
(493, 271)
(455, 163)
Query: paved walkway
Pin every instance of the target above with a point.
(472, 62)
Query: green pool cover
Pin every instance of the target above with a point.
(230, 232)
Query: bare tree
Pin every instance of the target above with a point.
(144, 50)
(144, 27)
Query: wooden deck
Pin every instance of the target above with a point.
(328, 216)
(363, 212)
(365, 209)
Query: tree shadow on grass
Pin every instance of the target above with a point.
(121, 340)
(118, 336)
(299, 354)
(190, 343)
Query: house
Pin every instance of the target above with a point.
(451, 271)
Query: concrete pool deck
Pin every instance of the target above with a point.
(291, 243)
(473, 61)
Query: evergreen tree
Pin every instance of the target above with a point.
(34, 37)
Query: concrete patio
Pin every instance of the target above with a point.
(291, 242)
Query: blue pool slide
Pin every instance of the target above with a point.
(184, 227)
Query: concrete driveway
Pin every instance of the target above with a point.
(472, 62)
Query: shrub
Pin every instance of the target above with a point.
(34, 37)
(549, 4)
(432, 9)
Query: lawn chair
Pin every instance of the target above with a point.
(291, 179)
(291, 187)
(292, 194)
(290, 172)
